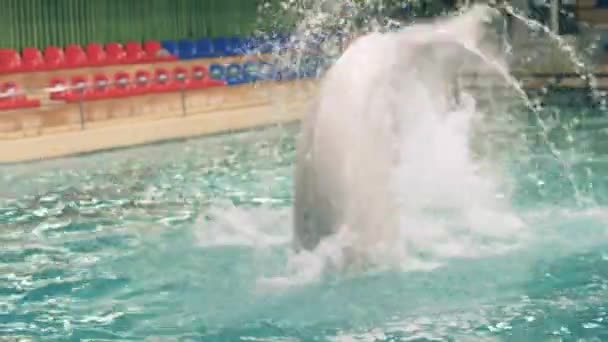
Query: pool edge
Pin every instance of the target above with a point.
(146, 132)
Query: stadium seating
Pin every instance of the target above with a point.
(162, 81)
(12, 97)
(236, 46)
(152, 48)
(54, 58)
(201, 78)
(122, 85)
(289, 72)
(32, 60)
(101, 87)
(267, 71)
(234, 74)
(217, 72)
(10, 61)
(142, 82)
(58, 89)
(250, 71)
(113, 53)
(220, 47)
(135, 52)
(207, 48)
(181, 77)
(75, 56)
(96, 55)
(204, 48)
(170, 46)
(79, 89)
(186, 49)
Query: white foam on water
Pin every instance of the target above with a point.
(449, 205)
(227, 225)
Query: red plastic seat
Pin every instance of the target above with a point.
(58, 89)
(135, 52)
(10, 93)
(100, 87)
(115, 53)
(200, 78)
(155, 52)
(10, 61)
(96, 55)
(31, 60)
(75, 57)
(180, 77)
(122, 85)
(152, 47)
(12, 97)
(142, 83)
(11, 90)
(80, 89)
(162, 81)
(54, 58)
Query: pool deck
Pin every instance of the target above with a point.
(57, 131)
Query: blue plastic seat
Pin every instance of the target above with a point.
(251, 71)
(284, 40)
(204, 48)
(217, 72)
(220, 46)
(250, 45)
(288, 73)
(266, 44)
(268, 71)
(186, 49)
(309, 67)
(234, 74)
(236, 46)
(170, 46)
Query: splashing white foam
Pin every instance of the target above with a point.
(228, 225)
(386, 153)
(448, 205)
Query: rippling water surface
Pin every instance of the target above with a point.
(171, 241)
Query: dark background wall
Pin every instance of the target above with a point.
(40, 23)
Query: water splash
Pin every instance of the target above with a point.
(585, 73)
(577, 61)
(323, 29)
(441, 142)
(392, 94)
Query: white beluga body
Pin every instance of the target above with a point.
(351, 139)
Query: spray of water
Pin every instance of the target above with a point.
(325, 28)
(451, 198)
(411, 193)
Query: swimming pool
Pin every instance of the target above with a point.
(173, 242)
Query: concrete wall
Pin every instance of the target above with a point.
(58, 131)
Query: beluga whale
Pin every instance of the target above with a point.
(351, 138)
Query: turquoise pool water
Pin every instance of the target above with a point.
(172, 241)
